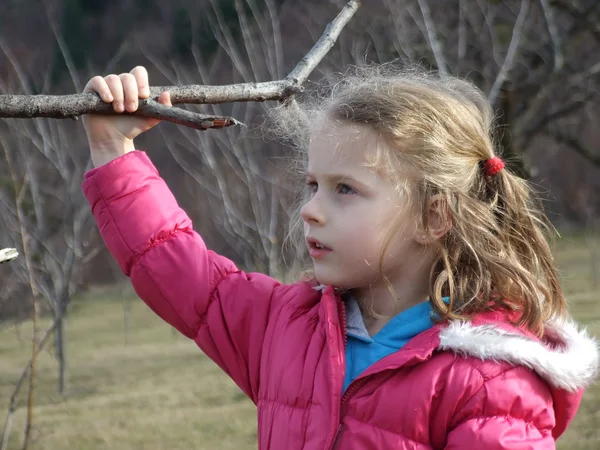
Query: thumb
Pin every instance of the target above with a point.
(165, 98)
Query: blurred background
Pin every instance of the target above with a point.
(108, 374)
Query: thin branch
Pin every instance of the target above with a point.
(400, 27)
(323, 45)
(275, 26)
(16, 66)
(462, 34)
(538, 104)
(582, 19)
(511, 53)
(576, 146)
(559, 58)
(64, 50)
(252, 50)
(35, 349)
(74, 105)
(579, 78)
(533, 127)
(434, 41)
(226, 40)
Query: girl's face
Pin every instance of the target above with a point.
(352, 211)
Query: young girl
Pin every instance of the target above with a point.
(437, 321)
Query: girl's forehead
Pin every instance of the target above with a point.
(327, 130)
(358, 150)
(341, 144)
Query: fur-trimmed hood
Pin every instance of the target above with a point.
(567, 358)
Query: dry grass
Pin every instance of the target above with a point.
(152, 389)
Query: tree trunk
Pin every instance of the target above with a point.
(126, 304)
(60, 352)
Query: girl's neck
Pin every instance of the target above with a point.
(379, 305)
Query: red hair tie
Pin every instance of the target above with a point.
(493, 166)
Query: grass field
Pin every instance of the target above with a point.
(152, 389)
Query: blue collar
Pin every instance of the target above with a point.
(413, 320)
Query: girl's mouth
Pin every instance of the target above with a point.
(316, 249)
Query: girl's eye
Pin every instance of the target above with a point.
(312, 186)
(344, 189)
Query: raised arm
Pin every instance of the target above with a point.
(199, 292)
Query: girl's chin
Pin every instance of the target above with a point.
(336, 282)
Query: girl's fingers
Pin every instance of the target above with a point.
(141, 76)
(125, 90)
(130, 91)
(98, 85)
(116, 89)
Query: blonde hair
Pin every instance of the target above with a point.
(496, 254)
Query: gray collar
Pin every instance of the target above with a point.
(355, 324)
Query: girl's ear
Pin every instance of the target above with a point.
(439, 220)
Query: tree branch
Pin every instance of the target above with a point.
(559, 58)
(582, 18)
(575, 145)
(511, 53)
(307, 64)
(74, 105)
(434, 41)
(534, 126)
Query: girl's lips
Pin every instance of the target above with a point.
(316, 249)
(318, 252)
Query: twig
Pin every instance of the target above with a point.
(532, 127)
(434, 41)
(511, 53)
(575, 145)
(559, 58)
(74, 105)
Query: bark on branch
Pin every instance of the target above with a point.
(74, 105)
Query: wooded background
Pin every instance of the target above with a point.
(537, 60)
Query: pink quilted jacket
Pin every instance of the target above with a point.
(465, 385)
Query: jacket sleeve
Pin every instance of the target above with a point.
(512, 411)
(198, 292)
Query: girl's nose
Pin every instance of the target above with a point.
(312, 213)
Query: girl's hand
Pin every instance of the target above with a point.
(111, 136)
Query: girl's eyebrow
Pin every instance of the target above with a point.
(337, 177)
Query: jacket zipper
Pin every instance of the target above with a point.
(354, 386)
(342, 317)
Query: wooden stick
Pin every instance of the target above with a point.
(74, 105)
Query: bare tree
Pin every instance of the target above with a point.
(234, 170)
(241, 180)
(536, 60)
(46, 216)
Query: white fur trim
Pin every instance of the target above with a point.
(571, 366)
